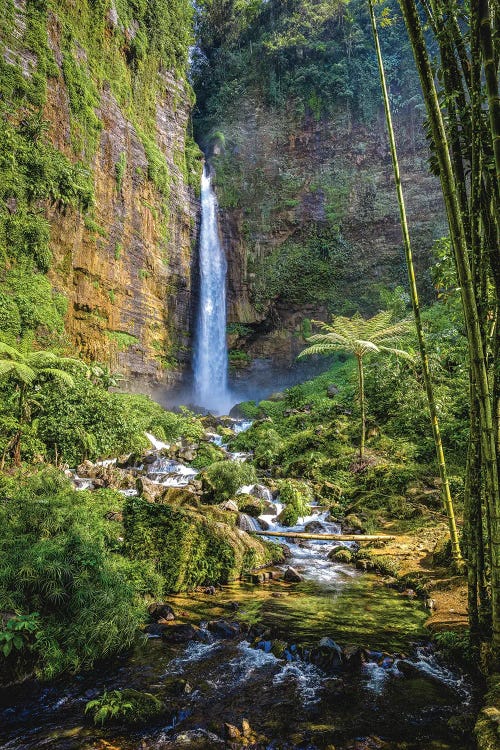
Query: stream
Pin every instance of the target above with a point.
(354, 668)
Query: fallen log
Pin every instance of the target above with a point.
(329, 537)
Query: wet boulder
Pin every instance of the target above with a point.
(353, 523)
(292, 576)
(340, 555)
(176, 686)
(250, 505)
(180, 633)
(354, 657)
(149, 490)
(230, 505)
(224, 629)
(327, 654)
(332, 390)
(160, 611)
(314, 527)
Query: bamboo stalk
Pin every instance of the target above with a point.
(429, 390)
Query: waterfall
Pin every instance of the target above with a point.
(210, 355)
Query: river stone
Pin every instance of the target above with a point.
(161, 611)
(314, 527)
(327, 654)
(340, 554)
(224, 629)
(250, 505)
(179, 633)
(353, 522)
(229, 505)
(148, 489)
(292, 576)
(332, 390)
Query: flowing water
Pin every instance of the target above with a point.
(392, 694)
(210, 357)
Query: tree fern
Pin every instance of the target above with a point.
(360, 337)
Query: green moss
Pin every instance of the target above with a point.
(192, 547)
(83, 100)
(122, 340)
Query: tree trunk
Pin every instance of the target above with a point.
(491, 77)
(16, 448)
(446, 494)
(362, 403)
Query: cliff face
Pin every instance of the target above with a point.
(310, 221)
(290, 111)
(124, 263)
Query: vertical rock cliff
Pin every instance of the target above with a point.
(290, 110)
(107, 82)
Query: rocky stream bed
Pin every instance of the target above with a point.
(308, 654)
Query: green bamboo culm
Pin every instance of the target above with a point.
(491, 80)
(446, 493)
(469, 302)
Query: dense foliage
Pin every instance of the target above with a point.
(62, 569)
(314, 53)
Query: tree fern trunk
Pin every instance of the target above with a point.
(362, 403)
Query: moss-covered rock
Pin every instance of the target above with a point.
(252, 506)
(341, 555)
(192, 546)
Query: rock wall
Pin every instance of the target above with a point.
(322, 190)
(125, 265)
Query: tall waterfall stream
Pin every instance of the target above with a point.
(210, 355)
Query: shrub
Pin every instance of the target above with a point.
(128, 706)
(223, 479)
(296, 496)
(58, 563)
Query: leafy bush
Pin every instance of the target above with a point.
(296, 496)
(59, 563)
(222, 479)
(128, 706)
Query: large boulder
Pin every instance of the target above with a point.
(252, 506)
(292, 576)
(192, 546)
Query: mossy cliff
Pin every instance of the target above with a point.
(309, 214)
(99, 211)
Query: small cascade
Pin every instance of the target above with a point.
(248, 523)
(210, 357)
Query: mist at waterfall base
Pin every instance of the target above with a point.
(210, 361)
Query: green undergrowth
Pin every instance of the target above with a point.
(62, 568)
(87, 421)
(192, 545)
